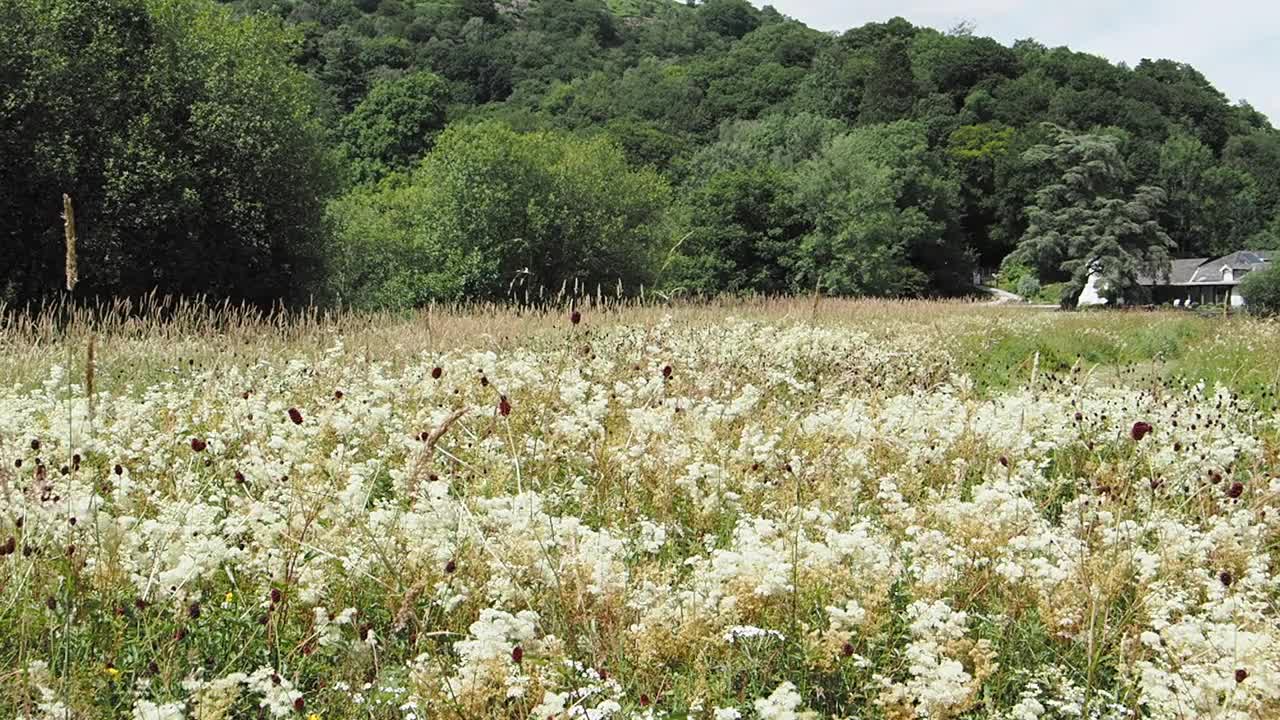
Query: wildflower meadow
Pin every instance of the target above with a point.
(775, 511)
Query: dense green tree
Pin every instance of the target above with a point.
(646, 143)
(395, 124)
(883, 209)
(1022, 101)
(492, 213)
(867, 38)
(1087, 222)
(978, 151)
(1211, 209)
(835, 85)
(744, 234)
(486, 10)
(654, 91)
(957, 64)
(1258, 154)
(1268, 238)
(346, 62)
(783, 141)
(730, 18)
(185, 138)
(1261, 291)
(1180, 93)
(787, 42)
(744, 83)
(728, 102)
(473, 60)
(889, 90)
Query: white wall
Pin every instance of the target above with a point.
(1092, 294)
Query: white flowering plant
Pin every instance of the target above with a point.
(639, 517)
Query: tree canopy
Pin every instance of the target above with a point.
(273, 150)
(187, 139)
(492, 213)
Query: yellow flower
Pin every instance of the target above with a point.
(313, 716)
(112, 672)
(230, 596)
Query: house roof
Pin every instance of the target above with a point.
(1179, 273)
(1211, 271)
(1208, 271)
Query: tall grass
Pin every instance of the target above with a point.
(998, 345)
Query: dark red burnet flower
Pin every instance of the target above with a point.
(1242, 675)
(338, 395)
(517, 654)
(198, 445)
(666, 372)
(575, 317)
(451, 567)
(504, 406)
(1225, 578)
(299, 704)
(1140, 430)
(295, 415)
(437, 372)
(1236, 490)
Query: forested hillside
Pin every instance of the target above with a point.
(392, 152)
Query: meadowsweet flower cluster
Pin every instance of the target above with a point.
(666, 520)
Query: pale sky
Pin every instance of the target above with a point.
(1234, 43)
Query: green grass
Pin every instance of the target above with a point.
(1173, 346)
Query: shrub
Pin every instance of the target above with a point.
(1012, 274)
(1028, 287)
(1261, 291)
